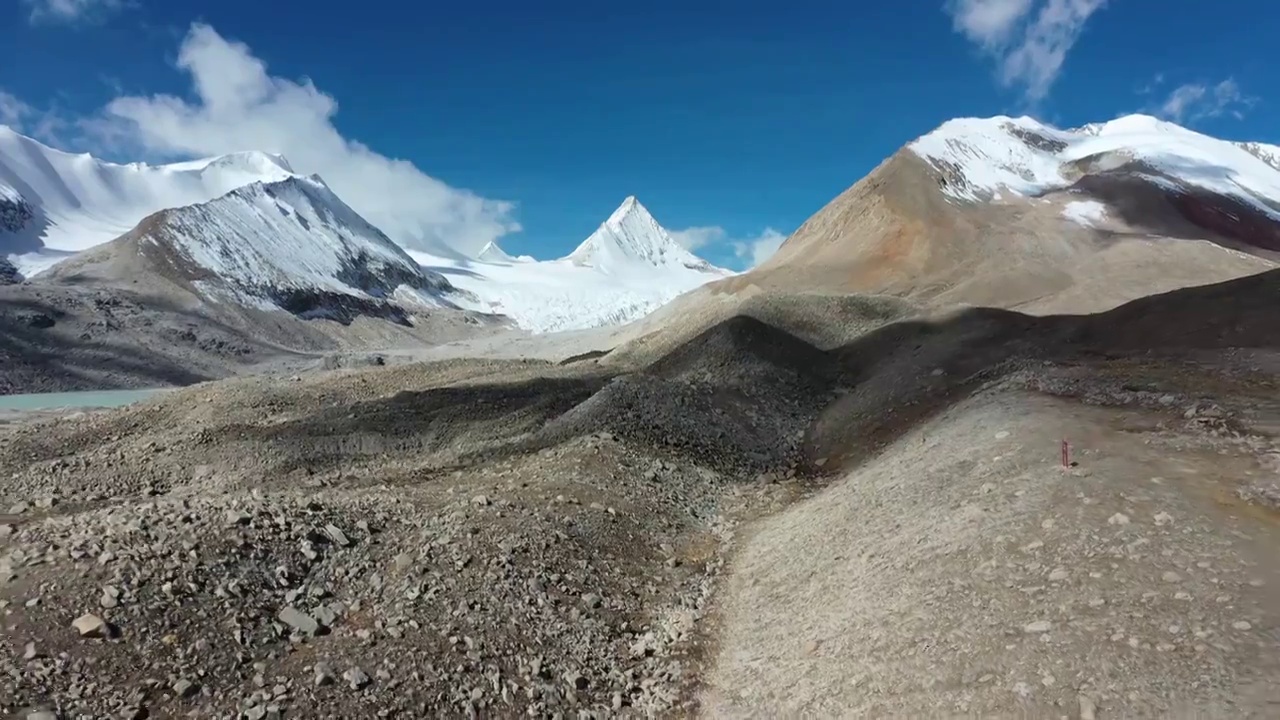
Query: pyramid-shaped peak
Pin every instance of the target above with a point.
(631, 238)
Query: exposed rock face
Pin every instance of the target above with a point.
(15, 213)
(8, 273)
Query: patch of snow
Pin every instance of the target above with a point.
(1089, 213)
(981, 157)
(81, 201)
(625, 270)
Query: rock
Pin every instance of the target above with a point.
(298, 620)
(356, 678)
(1118, 519)
(592, 600)
(19, 508)
(325, 615)
(1058, 575)
(42, 715)
(1163, 518)
(480, 500)
(323, 674)
(29, 652)
(238, 517)
(6, 530)
(1039, 626)
(1242, 625)
(1088, 709)
(184, 688)
(91, 626)
(1170, 576)
(338, 537)
(110, 597)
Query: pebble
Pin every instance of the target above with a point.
(91, 626)
(1242, 625)
(298, 620)
(1039, 626)
(1058, 575)
(1118, 519)
(356, 678)
(184, 688)
(1170, 576)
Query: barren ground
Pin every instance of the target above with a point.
(733, 523)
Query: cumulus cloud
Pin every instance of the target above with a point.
(1029, 39)
(760, 248)
(1197, 101)
(73, 11)
(238, 106)
(27, 119)
(697, 237)
(751, 250)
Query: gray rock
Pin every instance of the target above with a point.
(184, 688)
(338, 537)
(323, 674)
(298, 620)
(325, 615)
(42, 715)
(1039, 626)
(356, 678)
(91, 626)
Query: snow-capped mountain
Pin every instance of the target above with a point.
(292, 245)
(632, 239)
(627, 268)
(54, 204)
(983, 158)
(1010, 212)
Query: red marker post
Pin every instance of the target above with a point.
(1066, 454)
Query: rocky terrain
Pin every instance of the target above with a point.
(742, 523)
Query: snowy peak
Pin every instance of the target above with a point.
(290, 245)
(632, 239)
(493, 253)
(56, 203)
(981, 159)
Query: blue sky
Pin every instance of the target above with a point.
(726, 125)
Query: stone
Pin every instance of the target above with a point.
(1118, 519)
(1170, 576)
(42, 715)
(325, 615)
(480, 500)
(1242, 625)
(184, 688)
(1163, 518)
(356, 678)
(1039, 626)
(1058, 575)
(335, 534)
(1088, 708)
(91, 626)
(323, 674)
(298, 620)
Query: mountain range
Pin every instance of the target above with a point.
(246, 229)
(999, 212)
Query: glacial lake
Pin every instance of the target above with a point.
(82, 399)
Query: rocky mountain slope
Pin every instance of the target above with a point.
(1012, 213)
(627, 268)
(290, 245)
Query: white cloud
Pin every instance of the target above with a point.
(1030, 47)
(25, 118)
(988, 22)
(696, 237)
(13, 111)
(760, 248)
(73, 11)
(239, 106)
(751, 250)
(1196, 101)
